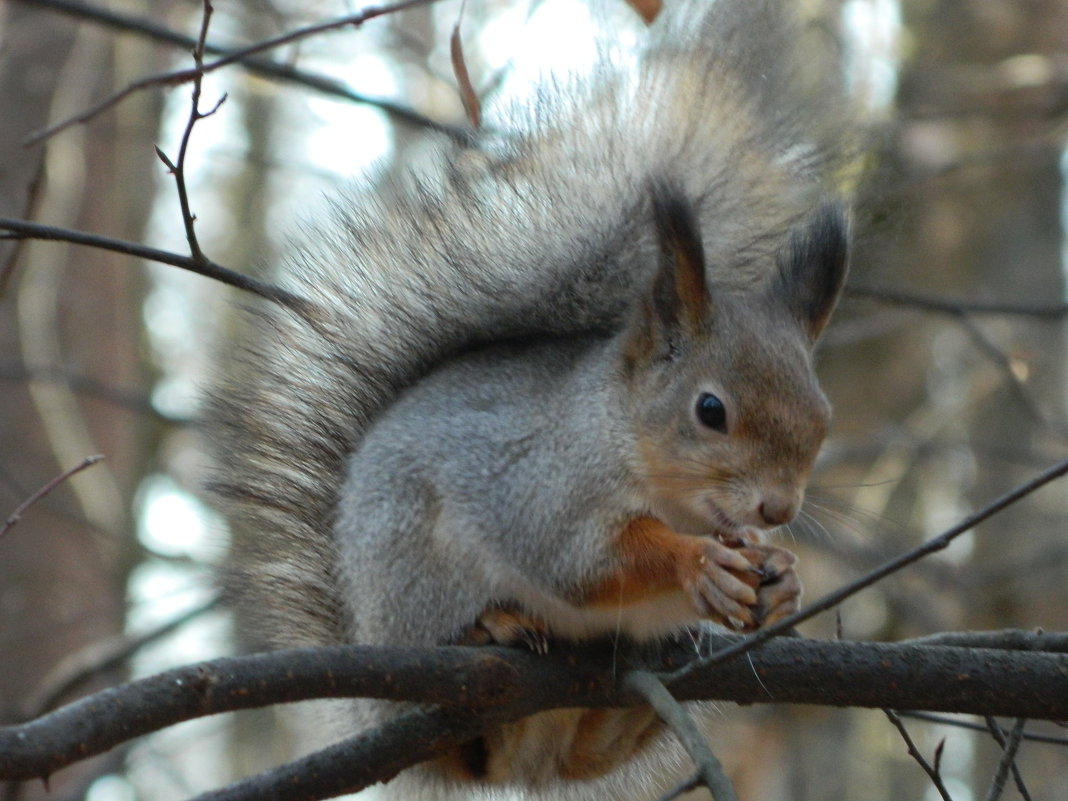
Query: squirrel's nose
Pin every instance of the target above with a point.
(777, 511)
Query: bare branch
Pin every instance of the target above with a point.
(1004, 364)
(468, 95)
(360, 761)
(1009, 748)
(832, 599)
(262, 67)
(931, 303)
(491, 685)
(23, 229)
(90, 387)
(98, 657)
(680, 722)
(945, 720)
(1013, 639)
(177, 168)
(29, 211)
(179, 77)
(682, 788)
(15, 516)
(914, 752)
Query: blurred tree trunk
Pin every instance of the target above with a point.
(73, 312)
(937, 414)
(1004, 93)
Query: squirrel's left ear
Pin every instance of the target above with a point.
(812, 269)
(680, 291)
(676, 306)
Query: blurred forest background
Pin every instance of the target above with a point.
(946, 363)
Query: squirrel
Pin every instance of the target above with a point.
(554, 382)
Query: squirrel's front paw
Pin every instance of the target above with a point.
(723, 582)
(779, 593)
(508, 626)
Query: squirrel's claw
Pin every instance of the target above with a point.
(500, 626)
(722, 582)
(780, 592)
(743, 587)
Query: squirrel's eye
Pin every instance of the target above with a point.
(711, 412)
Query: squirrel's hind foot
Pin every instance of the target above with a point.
(500, 625)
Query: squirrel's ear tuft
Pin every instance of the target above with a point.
(677, 304)
(680, 290)
(812, 269)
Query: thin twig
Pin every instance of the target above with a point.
(179, 77)
(914, 752)
(832, 599)
(29, 211)
(97, 657)
(90, 387)
(1001, 360)
(263, 67)
(945, 720)
(932, 303)
(1009, 747)
(682, 788)
(16, 516)
(23, 229)
(468, 95)
(682, 724)
(177, 168)
(962, 311)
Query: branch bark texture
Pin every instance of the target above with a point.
(495, 685)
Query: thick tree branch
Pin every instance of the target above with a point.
(90, 662)
(360, 761)
(494, 685)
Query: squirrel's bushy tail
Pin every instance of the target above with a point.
(541, 227)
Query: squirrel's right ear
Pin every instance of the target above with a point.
(813, 268)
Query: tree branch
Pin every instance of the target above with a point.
(834, 598)
(677, 719)
(179, 77)
(914, 752)
(90, 387)
(493, 685)
(262, 67)
(360, 761)
(946, 720)
(1009, 748)
(92, 660)
(932, 303)
(23, 229)
(16, 516)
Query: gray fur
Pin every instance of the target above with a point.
(541, 228)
